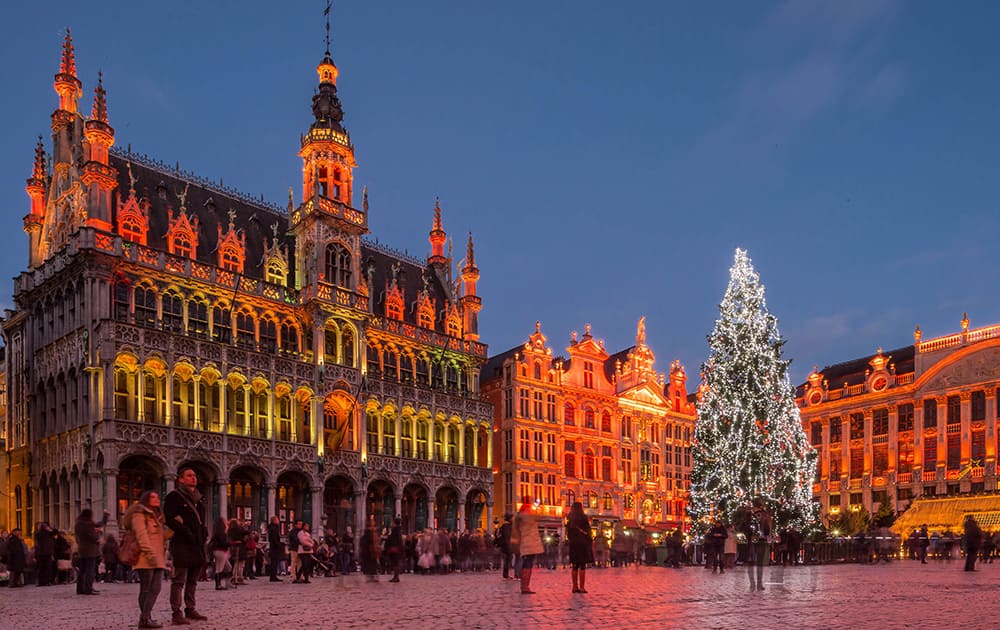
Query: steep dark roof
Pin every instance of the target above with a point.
(411, 276)
(159, 185)
(609, 363)
(853, 372)
(492, 369)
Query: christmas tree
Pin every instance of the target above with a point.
(750, 447)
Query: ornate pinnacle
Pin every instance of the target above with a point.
(38, 171)
(437, 214)
(100, 109)
(470, 254)
(68, 65)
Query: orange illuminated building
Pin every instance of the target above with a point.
(603, 429)
(164, 320)
(920, 420)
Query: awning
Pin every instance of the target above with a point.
(630, 524)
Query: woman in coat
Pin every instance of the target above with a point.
(581, 546)
(525, 537)
(306, 548)
(146, 522)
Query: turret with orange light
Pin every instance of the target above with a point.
(98, 176)
(37, 186)
(437, 237)
(471, 303)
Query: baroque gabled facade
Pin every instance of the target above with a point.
(165, 321)
(605, 430)
(917, 421)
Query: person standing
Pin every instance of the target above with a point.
(218, 549)
(503, 544)
(923, 542)
(306, 547)
(525, 537)
(759, 535)
(88, 546)
(237, 550)
(973, 540)
(347, 551)
(370, 551)
(394, 547)
(183, 509)
(64, 554)
(45, 551)
(145, 520)
(581, 546)
(275, 548)
(15, 556)
(293, 549)
(729, 548)
(715, 545)
(109, 551)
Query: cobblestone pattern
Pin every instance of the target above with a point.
(898, 595)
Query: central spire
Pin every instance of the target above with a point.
(325, 104)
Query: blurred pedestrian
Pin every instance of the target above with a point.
(581, 546)
(525, 537)
(88, 544)
(973, 540)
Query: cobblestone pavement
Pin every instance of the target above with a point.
(898, 595)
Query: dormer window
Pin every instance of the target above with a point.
(230, 259)
(132, 231)
(275, 273)
(181, 246)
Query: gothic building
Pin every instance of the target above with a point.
(917, 421)
(603, 429)
(166, 321)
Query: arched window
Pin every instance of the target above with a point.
(221, 324)
(606, 422)
(154, 397)
(439, 442)
(606, 469)
(283, 419)
(198, 318)
(182, 405)
(173, 312)
(569, 414)
(406, 437)
(275, 273)
(347, 346)
(422, 439)
(389, 434)
(609, 503)
(588, 418)
(452, 444)
(338, 265)
(268, 335)
(569, 461)
(123, 294)
(145, 305)
(232, 259)
(588, 465)
(592, 500)
(454, 327)
(132, 230)
(538, 371)
(390, 361)
(245, 337)
(289, 338)
(181, 245)
(570, 498)
(425, 318)
(371, 432)
(125, 394)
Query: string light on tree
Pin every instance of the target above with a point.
(749, 442)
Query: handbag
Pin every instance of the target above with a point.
(128, 552)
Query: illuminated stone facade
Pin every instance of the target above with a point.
(920, 420)
(605, 430)
(167, 321)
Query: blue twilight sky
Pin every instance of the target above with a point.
(607, 156)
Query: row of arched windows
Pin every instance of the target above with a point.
(194, 316)
(406, 366)
(61, 402)
(423, 438)
(588, 467)
(590, 500)
(589, 417)
(205, 401)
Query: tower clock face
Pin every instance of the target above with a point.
(879, 383)
(815, 398)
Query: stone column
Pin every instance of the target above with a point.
(489, 516)
(168, 386)
(317, 506)
(272, 495)
(399, 437)
(991, 428)
(489, 453)
(942, 435)
(222, 487)
(461, 443)
(966, 429)
(140, 389)
(197, 421)
(475, 445)
(222, 406)
(110, 498)
(399, 503)
(892, 450)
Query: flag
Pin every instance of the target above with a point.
(326, 11)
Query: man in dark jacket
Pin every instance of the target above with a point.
(973, 540)
(502, 541)
(275, 548)
(45, 551)
(88, 546)
(183, 509)
(293, 549)
(15, 556)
